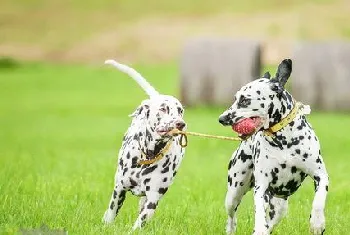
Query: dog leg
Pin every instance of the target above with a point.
(239, 182)
(261, 226)
(150, 205)
(277, 210)
(233, 199)
(142, 203)
(317, 218)
(117, 199)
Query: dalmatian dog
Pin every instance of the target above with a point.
(273, 163)
(145, 139)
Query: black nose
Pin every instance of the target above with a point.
(180, 125)
(223, 119)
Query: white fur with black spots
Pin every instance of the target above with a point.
(147, 136)
(274, 166)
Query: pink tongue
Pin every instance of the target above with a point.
(245, 127)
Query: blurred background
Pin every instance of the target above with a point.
(156, 31)
(63, 113)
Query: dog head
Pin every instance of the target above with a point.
(261, 102)
(161, 113)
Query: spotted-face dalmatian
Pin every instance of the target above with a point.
(274, 165)
(146, 138)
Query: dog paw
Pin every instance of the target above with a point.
(136, 226)
(230, 230)
(317, 224)
(260, 232)
(231, 226)
(108, 217)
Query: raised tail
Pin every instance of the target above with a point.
(136, 76)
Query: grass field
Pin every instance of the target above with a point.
(61, 127)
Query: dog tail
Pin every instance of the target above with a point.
(136, 76)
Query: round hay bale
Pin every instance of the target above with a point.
(212, 70)
(321, 75)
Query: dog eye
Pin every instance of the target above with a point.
(243, 101)
(162, 109)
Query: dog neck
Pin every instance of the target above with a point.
(279, 108)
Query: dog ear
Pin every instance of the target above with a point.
(283, 72)
(267, 75)
(143, 108)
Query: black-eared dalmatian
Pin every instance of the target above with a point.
(146, 139)
(275, 159)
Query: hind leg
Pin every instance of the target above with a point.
(239, 182)
(117, 199)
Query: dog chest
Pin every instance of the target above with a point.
(285, 180)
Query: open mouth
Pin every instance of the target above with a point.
(164, 131)
(247, 126)
(169, 130)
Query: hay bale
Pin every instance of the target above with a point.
(321, 75)
(212, 70)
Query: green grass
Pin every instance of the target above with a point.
(61, 127)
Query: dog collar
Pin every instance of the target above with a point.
(159, 156)
(285, 121)
(163, 151)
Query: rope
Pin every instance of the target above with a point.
(183, 143)
(183, 138)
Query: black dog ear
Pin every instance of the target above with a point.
(267, 75)
(143, 108)
(283, 72)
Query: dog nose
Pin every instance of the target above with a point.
(223, 119)
(180, 125)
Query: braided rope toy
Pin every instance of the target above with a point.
(183, 138)
(183, 143)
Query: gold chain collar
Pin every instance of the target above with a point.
(285, 121)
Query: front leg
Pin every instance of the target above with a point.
(239, 181)
(261, 227)
(150, 204)
(260, 190)
(117, 199)
(317, 218)
(277, 210)
(142, 203)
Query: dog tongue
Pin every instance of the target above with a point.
(245, 127)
